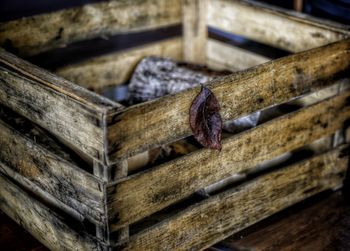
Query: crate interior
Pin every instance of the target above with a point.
(103, 59)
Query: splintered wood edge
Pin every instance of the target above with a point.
(276, 28)
(116, 68)
(35, 34)
(165, 120)
(174, 180)
(216, 218)
(44, 224)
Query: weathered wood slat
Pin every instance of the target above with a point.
(205, 223)
(31, 162)
(44, 224)
(173, 181)
(321, 225)
(81, 95)
(116, 68)
(164, 120)
(276, 28)
(195, 31)
(53, 111)
(63, 108)
(32, 35)
(231, 57)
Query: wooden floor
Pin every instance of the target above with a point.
(320, 223)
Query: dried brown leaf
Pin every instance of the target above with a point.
(205, 119)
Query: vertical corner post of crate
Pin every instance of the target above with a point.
(346, 187)
(108, 174)
(342, 136)
(195, 33)
(345, 136)
(121, 171)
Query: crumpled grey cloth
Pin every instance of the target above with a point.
(155, 77)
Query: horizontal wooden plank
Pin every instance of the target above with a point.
(44, 224)
(211, 220)
(63, 108)
(231, 57)
(272, 27)
(116, 68)
(173, 181)
(32, 35)
(164, 120)
(32, 157)
(53, 111)
(314, 225)
(79, 94)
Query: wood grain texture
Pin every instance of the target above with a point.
(52, 111)
(322, 225)
(34, 159)
(32, 35)
(224, 56)
(44, 224)
(195, 32)
(121, 172)
(173, 181)
(164, 120)
(213, 219)
(63, 108)
(11, 232)
(81, 95)
(116, 68)
(272, 27)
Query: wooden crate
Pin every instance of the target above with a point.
(65, 149)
